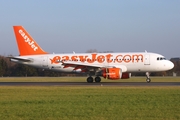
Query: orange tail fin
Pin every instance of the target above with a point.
(26, 44)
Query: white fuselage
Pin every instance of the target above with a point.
(128, 62)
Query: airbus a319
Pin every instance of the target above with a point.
(112, 66)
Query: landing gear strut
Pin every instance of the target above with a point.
(148, 80)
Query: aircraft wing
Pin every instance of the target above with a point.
(83, 66)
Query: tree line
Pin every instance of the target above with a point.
(10, 69)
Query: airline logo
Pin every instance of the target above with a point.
(28, 41)
(109, 58)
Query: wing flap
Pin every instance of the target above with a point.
(78, 65)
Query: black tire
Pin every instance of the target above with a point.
(90, 79)
(97, 79)
(148, 80)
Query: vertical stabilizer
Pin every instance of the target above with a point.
(26, 44)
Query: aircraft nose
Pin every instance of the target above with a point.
(170, 65)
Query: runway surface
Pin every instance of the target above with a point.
(89, 84)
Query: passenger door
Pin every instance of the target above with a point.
(45, 61)
(147, 59)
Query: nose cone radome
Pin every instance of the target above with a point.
(169, 65)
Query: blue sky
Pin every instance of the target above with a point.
(105, 25)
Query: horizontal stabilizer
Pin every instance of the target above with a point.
(20, 59)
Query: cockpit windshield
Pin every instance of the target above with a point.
(161, 58)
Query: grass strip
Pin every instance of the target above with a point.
(83, 79)
(89, 103)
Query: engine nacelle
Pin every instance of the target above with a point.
(126, 75)
(112, 73)
(115, 73)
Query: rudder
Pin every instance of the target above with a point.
(26, 44)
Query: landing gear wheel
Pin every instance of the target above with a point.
(148, 80)
(97, 79)
(90, 79)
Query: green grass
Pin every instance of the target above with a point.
(89, 103)
(83, 79)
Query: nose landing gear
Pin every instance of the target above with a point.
(148, 80)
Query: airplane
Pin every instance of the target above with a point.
(112, 66)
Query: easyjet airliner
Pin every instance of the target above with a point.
(111, 66)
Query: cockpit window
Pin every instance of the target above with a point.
(161, 58)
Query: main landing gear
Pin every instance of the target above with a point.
(148, 80)
(90, 79)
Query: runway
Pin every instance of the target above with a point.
(89, 84)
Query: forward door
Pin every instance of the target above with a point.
(147, 59)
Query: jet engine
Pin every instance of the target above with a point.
(115, 73)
